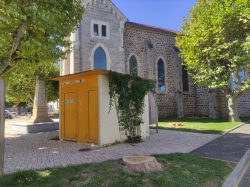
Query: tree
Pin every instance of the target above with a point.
(22, 81)
(32, 30)
(215, 47)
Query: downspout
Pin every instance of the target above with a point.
(80, 47)
(149, 46)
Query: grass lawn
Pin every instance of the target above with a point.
(201, 125)
(181, 170)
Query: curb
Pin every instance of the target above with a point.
(230, 130)
(25, 128)
(236, 176)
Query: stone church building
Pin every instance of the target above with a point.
(106, 39)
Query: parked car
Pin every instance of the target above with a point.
(8, 115)
(14, 114)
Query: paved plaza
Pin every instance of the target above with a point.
(230, 147)
(42, 150)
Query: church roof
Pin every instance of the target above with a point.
(153, 28)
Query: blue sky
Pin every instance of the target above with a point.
(162, 13)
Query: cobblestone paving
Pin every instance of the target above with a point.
(36, 151)
(8, 126)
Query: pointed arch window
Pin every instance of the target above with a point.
(100, 59)
(133, 68)
(185, 81)
(161, 76)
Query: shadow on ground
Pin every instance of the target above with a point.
(230, 147)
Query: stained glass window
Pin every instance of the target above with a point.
(161, 76)
(100, 60)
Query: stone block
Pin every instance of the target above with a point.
(40, 108)
(25, 128)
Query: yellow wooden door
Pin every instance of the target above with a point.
(70, 116)
(93, 116)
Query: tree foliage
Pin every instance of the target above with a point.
(128, 93)
(32, 30)
(215, 44)
(21, 82)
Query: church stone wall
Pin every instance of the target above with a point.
(136, 42)
(202, 101)
(189, 101)
(244, 105)
(196, 103)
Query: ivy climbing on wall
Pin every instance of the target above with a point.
(127, 93)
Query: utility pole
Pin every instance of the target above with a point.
(2, 124)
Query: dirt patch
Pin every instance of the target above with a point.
(175, 125)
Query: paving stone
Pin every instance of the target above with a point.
(37, 151)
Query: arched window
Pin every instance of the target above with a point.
(185, 82)
(100, 59)
(161, 76)
(133, 69)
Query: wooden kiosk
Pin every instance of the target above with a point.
(84, 110)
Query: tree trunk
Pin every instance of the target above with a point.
(2, 124)
(40, 108)
(233, 110)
